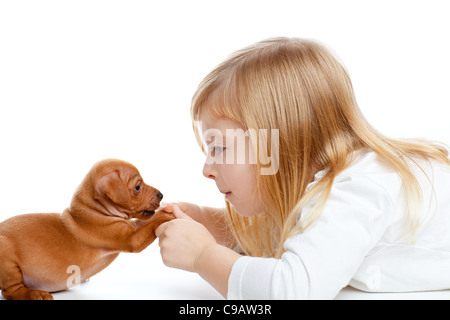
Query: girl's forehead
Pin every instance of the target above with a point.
(218, 124)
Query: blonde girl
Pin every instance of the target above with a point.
(345, 205)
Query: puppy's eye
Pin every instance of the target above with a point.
(138, 188)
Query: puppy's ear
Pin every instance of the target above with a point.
(112, 187)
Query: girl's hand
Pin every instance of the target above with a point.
(192, 210)
(214, 219)
(188, 245)
(183, 241)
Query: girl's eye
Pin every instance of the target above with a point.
(217, 149)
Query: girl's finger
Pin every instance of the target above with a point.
(160, 230)
(167, 207)
(180, 214)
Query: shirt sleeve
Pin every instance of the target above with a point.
(318, 263)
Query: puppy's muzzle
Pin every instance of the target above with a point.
(149, 213)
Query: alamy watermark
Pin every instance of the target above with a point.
(75, 278)
(374, 277)
(243, 147)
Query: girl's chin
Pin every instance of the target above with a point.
(243, 210)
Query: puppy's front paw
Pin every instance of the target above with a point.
(40, 295)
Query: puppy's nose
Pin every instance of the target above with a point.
(160, 196)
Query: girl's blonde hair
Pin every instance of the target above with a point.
(298, 87)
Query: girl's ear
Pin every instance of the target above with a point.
(112, 187)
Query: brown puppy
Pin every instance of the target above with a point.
(112, 211)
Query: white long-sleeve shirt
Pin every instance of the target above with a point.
(360, 239)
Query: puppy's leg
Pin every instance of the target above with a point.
(11, 278)
(19, 292)
(144, 235)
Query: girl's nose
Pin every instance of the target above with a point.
(209, 172)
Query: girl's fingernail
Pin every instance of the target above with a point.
(162, 205)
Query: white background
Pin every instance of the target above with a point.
(85, 80)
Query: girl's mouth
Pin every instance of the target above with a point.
(227, 194)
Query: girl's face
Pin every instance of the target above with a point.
(229, 164)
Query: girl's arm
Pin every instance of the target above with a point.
(214, 219)
(215, 264)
